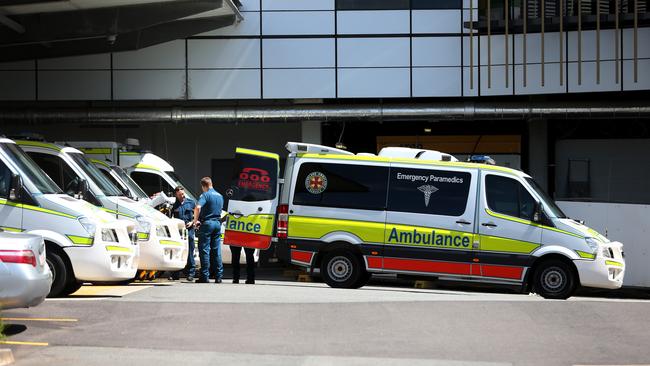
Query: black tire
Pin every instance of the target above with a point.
(555, 279)
(71, 287)
(363, 279)
(341, 269)
(60, 273)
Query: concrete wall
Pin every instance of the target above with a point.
(308, 49)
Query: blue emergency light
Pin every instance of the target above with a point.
(481, 159)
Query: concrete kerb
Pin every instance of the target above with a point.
(6, 357)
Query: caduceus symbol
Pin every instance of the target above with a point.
(427, 190)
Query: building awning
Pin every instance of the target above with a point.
(56, 28)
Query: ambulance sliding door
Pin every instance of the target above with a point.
(253, 194)
(430, 220)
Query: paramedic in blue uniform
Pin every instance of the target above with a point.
(207, 215)
(183, 209)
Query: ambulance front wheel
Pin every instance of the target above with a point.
(60, 273)
(555, 279)
(342, 269)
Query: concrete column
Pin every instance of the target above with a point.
(538, 151)
(310, 132)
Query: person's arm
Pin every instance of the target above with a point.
(197, 210)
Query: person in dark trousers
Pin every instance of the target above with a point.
(207, 215)
(250, 264)
(183, 209)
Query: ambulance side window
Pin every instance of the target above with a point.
(508, 196)
(5, 180)
(342, 186)
(426, 191)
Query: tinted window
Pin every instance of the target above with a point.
(341, 185)
(436, 192)
(58, 170)
(149, 182)
(254, 178)
(5, 180)
(509, 197)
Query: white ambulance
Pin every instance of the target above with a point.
(352, 215)
(161, 239)
(83, 243)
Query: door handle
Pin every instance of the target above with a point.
(489, 224)
(463, 222)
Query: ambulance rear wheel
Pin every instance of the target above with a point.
(342, 269)
(555, 279)
(59, 273)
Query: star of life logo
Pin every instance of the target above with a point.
(428, 190)
(316, 183)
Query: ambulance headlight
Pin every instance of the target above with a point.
(109, 236)
(593, 244)
(606, 252)
(88, 225)
(162, 231)
(144, 226)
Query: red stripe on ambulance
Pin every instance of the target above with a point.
(248, 240)
(301, 256)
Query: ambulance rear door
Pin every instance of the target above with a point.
(253, 199)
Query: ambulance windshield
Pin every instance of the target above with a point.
(131, 185)
(549, 203)
(105, 185)
(30, 170)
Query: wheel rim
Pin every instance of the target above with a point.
(554, 280)
(52, 269)
(339, 268)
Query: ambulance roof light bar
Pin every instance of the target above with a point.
(300, 147)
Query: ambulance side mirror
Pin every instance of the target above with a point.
(16, 187)
(537, 213)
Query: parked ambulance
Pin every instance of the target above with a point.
(83, 243)
(161, 239)
(153, 174)
(399, 212)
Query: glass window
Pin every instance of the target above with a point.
(435, 192)
(177, 181)
(5, 180)
(113, 180)
(149, 182)
(30, 169)
(341, 185)
(133, 187)
(507, 196)
(549, 204)
(254, 178)
(105, 185)
(58, 170)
